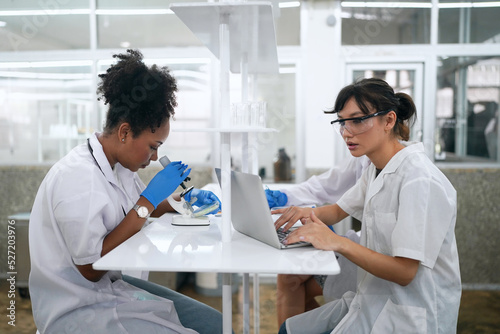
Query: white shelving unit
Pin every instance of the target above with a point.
(251, 37)
(242, 36)
(72, 127)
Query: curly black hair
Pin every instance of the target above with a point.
(137, 94)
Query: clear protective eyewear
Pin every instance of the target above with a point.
(356, 125)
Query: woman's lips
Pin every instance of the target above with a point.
(351, 146)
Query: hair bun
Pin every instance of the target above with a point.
(406, 107)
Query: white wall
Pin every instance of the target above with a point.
(323, 76)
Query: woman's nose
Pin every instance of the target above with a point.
(154, 157)
(346, 133)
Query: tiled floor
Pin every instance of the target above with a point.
(479, 311)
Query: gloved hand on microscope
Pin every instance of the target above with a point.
(199, 198)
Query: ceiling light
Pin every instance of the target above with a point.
(289, 4)
(397, 4)
(40, 64)
(455, 5)
(45, 76)
(85, 11)
(44, 12)
(486, 4)
(470, 4)
(133, 11)
(394, 4)
(287, 70)
(2, 24)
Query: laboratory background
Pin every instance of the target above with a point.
(444, 53)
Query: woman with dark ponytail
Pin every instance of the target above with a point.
(377, 94)
(408, 277)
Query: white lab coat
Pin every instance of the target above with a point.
(329, 186)
(409, 210)
(78, 203)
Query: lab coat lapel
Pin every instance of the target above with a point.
(101, 159)
(391, 167)
(375, 183)
(105, 167)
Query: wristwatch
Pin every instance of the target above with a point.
(142, 211)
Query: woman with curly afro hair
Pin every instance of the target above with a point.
(92, 200)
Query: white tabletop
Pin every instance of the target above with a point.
(161, 246)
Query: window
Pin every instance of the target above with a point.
(45, 109)
(467, 109)
(36, 25)
(374, 22)
(140, 24)
(468, 22)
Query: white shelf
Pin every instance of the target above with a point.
(242, 36)
(252, 33)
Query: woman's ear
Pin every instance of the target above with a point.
(390, 120)
(124, 132)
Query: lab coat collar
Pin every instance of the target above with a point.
(126, 176)
(101, 158)
(398, 158)
(392, 166)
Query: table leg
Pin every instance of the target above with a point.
(246, 303)
(256, 304)
(227, 308)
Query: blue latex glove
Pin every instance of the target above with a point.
(276, 198)
(203, 197)
(165, 182)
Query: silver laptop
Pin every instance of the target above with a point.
(250, 212)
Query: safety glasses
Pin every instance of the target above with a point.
(356, 125)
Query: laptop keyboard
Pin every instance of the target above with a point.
(283, 234)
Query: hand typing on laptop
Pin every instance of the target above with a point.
(250, 212)
(313, 231)
(290, 216)
(282, 233)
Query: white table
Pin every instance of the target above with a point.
(161, 246)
